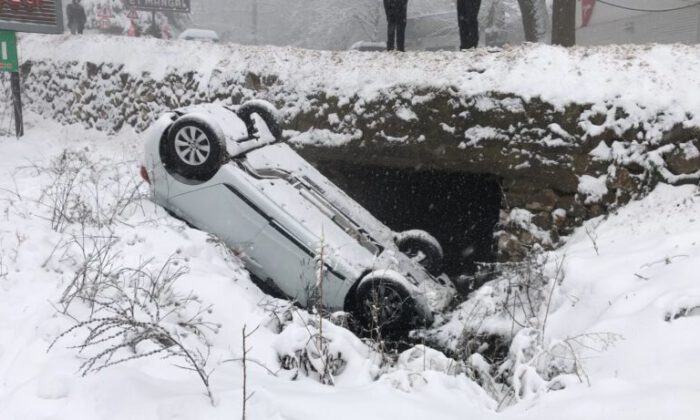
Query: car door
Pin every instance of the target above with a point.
(219, 210)
(291, 242)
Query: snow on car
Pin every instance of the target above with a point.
(227, 171)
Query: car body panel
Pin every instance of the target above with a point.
(282, 157)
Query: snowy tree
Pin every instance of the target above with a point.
(564, 22)
(535, 19)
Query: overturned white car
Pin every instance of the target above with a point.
(226, 171)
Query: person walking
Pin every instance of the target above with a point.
(396, 23)
(76, 17)
(468, 20)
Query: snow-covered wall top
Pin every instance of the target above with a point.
(646, 79)
(570, 132)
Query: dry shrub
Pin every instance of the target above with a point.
(137, 313)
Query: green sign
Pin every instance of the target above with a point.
(8, 51)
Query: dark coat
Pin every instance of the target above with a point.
(76, 16)
(395, 9)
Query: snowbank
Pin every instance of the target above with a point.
(619, 313)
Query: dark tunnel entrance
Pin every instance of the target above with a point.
(459, 209)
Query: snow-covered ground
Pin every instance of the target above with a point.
(625, 303)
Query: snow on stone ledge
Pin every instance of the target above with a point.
(602, 152)
(592, 188)
(321, 136)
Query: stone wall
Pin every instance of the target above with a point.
(558, 166)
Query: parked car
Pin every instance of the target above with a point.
(199, 35)
(368, 46)
(227, 171)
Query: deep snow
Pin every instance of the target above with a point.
(640, 286)
(35, 384)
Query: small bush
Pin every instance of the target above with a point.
(137, 313)
(88, 193)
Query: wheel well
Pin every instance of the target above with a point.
(164, 135)
(351, 297)
(162, 141)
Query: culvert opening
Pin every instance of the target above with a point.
(460, 209)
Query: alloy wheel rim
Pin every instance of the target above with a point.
(192, 145)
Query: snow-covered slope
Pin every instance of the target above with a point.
(634, 276)
(627, 302)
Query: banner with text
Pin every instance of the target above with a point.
(43, 16)
(182, 6)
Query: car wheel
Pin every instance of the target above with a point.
(423, 248)
(194, 149)
(386, 307)
(264, 110)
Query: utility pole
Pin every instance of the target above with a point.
(10, 64)
(564, 23)
(255, 22)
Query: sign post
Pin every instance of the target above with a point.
(8, 52)
(9, 63)
(41, 16)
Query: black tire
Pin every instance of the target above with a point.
(194, 149)
(423, 247)
(385, 307)
(268, 114)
